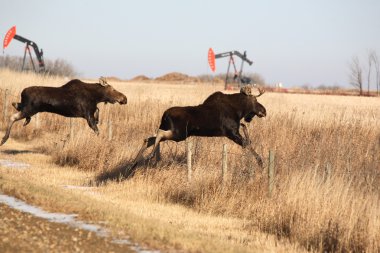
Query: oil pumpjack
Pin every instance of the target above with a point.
(238, 75)
(11, 34)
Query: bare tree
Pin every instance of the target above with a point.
(371, 59)
(356, 74)
(60, 67)
(377, 69)
(57, 67)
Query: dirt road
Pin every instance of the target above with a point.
(22, 232)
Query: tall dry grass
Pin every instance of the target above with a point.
(307, 132)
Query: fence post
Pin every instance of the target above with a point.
(271, 172)
(224, 163)
(37, 120)
(71, 129)
(327, 171)
(5, 106)
(109, 130)
(189, 169)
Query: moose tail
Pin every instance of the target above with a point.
(17, 106)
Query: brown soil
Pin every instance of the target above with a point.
(23, 232)
(113, 79)
(140, 78)
(176, 77)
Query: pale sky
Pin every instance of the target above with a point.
(293, 42)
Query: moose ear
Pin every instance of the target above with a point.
(103, 81)
(246, 90)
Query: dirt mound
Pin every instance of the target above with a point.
(176, 77)
(140, 78)
(113, 79)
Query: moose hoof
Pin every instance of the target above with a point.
(246, 144)
(26, 121)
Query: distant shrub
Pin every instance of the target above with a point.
(58, 67)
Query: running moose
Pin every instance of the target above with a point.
(219, 115)
(74, 99)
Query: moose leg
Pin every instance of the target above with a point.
(257, 157)
(27, 120)
(15, 117)
(18, 107)
(146, 144)
(92, 123)
(96, 115)
(255, 154)
(139, 157)
(238, 139)
(162, 135)
(245, 131)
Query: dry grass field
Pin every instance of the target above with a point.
(309, 208)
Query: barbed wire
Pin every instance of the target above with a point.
(212, 150)
(321, 169)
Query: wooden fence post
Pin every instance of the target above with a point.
(271, 172)
(109, 130)
(327, 171)
(224, 163)
(37, 120)
(71, 129)
(5, 106)
(189, 168)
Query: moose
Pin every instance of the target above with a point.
(219, 115)
(74, 99)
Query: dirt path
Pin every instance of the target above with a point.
(22, 232)
(126, 212)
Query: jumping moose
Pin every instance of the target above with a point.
(74, 99)
(219, 115)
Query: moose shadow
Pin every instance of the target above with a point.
(127, 168)
(17, 152)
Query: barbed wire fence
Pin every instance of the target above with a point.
(192, 151)
(269, 172)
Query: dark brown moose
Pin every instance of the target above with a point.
(219, 115)
(74, 99)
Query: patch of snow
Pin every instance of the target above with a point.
(69, 219)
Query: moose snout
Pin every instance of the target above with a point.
(123, 101)
(261, 114)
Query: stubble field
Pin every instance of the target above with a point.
(327, 161)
